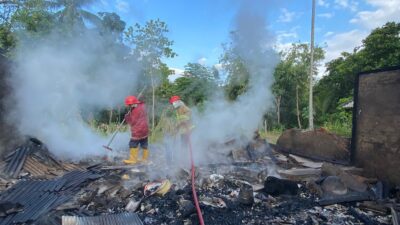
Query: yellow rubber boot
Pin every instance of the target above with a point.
(145, 156)
(133, 156)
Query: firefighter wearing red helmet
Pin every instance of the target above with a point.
(138, 122)
(183, 116)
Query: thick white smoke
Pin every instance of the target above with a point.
(223, 120)
(58, 80)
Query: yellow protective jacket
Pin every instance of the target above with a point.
(184, 119)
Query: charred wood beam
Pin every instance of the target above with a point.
(351, 197)
(395, 216)
(289, 151)
(362, 217)
(375, 207)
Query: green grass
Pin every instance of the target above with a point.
(342, 129)
(107, 129)
(271, 136)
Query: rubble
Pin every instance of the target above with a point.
(270, 188)
(395, 216)
(332, 185)
(158, 187)
(355, 183)
(317, 144)
(246, 195)
(121, 219)
(39, 197)
(275, 186)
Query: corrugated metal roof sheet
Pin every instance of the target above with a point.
(16, 162)
(39, 197)
(110, 219)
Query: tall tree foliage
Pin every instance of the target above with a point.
(237, 74)
(151, 44)
(379, 49)
(195, 87)
(111, 25)
(34, 17)
(291, 83)
(71, 14)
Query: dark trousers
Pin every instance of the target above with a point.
(142, 142)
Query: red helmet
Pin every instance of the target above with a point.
(174, 99)
(130, 100)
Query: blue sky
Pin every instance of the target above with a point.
(198, 28)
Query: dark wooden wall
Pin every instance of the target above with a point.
(376, 134)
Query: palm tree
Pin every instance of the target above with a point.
(71, 14)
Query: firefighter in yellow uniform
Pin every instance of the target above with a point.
(183, 118)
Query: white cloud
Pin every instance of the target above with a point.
(326, 15)
(285, 38)
(286, 16)
(287, 35)
(122, 6)
(343, 42)
(177, 74)
(323, 3)
(329, 33)
(284, 35)
(347, 4)
(202, 61)
(218, 66)
(282, 47)
(177, 70)
(385, 11)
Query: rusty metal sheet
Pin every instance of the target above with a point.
(35, 168)
(71, 166)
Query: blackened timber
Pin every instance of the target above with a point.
(395, 216)
(362, 217)
(350, 197)
(288, 151)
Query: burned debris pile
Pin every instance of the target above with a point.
(259, 185)
(32, 199)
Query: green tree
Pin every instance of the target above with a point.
(237, 73)
(111, 25)
(198, 70)
(198, 85)
(382, 47)
(379, 49)
(195, 87)
(150, 45)
(33, 17)
(7, 39)
(7, 9)
(291, 82)
(71, 14)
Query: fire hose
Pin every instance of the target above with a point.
(196, 201)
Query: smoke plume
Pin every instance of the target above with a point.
(224, 120)
(58, 80)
